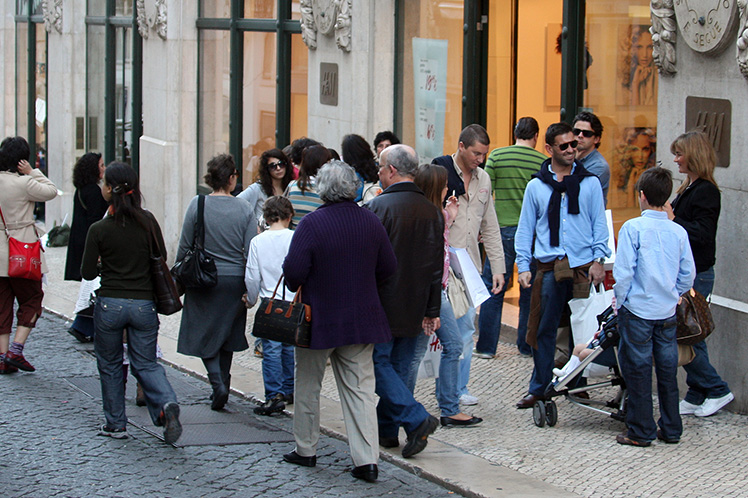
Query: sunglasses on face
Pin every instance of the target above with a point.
(585, 133)
(573, 144)
(276, 165)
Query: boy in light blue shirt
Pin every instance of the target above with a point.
(653, 267)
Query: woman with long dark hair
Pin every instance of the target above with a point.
(276, 172)
(696, 208)
(214, 319)
(20, 187)
(119, 248)
(89, 207)
(357, 153)
(303, 192)
(432, 180)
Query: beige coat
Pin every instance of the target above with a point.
(17, 196)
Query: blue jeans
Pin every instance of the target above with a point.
(449, 364)
(277, 368)
(489, 322)
(397, 407)
(84, 325)
(466, 326)
(702, 379)
(553, 300)
(641, 340)
(111, 317)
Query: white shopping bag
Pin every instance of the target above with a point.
(584, 313)
(429, 367)
(86, 293)
(464, 269)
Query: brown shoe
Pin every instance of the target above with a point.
(529, 401)
(139, 395)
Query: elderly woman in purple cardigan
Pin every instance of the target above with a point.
(339, 253)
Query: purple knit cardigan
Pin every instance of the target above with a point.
(338, 254)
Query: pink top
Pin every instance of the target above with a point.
(445, 275)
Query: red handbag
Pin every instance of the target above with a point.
(24, 258)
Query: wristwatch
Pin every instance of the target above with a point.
(600, 260)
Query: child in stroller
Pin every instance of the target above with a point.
(599, 357)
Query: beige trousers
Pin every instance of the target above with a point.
(353, 368)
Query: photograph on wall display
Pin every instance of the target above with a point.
(637, 73)
(634, 152)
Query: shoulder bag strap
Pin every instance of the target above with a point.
(199, 241)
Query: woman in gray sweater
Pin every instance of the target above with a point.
(214, 319)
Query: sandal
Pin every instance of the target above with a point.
(624, 439)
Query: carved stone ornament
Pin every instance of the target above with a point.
(152, 15)
(52, 10)
(343, 26)
(663, 35)
(327, 17)
(742, 44)
(707, 26)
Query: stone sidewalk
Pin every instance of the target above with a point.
(507, 455)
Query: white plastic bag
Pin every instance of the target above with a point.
(429, 367)
(584, 313)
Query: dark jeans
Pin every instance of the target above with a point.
(111, 317)
(397, 407)
(489, 321)
(702, 379)
(553, 300)
(641, 340)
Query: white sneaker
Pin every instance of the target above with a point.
(710, 406)
(686, 408)
(468, 400)
(484, 356)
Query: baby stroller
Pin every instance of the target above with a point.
(604, 357)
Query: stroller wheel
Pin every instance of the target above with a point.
(538, 413)
(551, 413)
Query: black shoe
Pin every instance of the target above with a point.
(220, 393)
(368, 473)
(451, 422)
(172, 426)
(297, 459)
(667, 440)
(418, 439)
(79, 335)
(389, 442)
(272, 405)
(288, 399)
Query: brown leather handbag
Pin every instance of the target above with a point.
(694, 319)
(165, 294)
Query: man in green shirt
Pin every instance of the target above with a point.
(510, 169)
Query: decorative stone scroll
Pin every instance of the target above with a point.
(328, 17)
(152, 15)
(742, 43)
(663, 31)
(52, 10)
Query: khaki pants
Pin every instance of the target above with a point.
(353, 368)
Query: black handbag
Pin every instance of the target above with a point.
(284, 321)
(196, 268)
(165, 294)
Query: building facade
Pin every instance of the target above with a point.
(167, 84)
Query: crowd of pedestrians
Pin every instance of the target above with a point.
(368, 238)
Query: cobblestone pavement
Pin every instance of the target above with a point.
(50, 447)
(578, 455)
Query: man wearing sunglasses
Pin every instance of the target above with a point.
(588, 130)
(563, 212)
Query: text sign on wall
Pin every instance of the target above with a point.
(328, 83)
(430, 86)
(713, 117)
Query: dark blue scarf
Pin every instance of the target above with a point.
(570, 185)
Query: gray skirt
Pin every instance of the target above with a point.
(214, 319)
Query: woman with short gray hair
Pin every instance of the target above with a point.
(340, 239)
